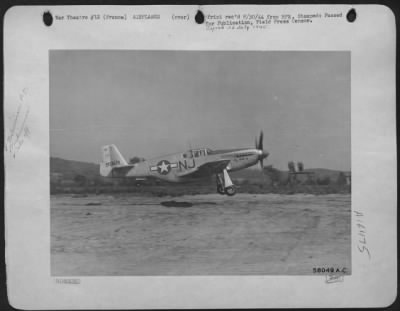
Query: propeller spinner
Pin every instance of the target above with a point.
(259, 146)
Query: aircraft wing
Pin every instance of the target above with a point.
(207, 169)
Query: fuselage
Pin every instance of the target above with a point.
(174, 167)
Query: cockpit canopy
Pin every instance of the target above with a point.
(196, 153)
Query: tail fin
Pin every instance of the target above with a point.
(111, 158)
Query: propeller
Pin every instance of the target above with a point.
(259, 146)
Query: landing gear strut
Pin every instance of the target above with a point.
(225, 184)
(220, 184)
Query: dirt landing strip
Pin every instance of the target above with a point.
(245, 234)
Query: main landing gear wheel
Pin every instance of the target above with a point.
(225, 184)
(230, 190)
(220, 189)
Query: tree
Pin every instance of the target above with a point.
(324, 181)
(291, 167)
(80, 180)
(341, 180)
(273, 174)
(135, 160)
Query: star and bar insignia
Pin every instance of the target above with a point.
(163, 167)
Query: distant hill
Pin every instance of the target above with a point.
(323, 172)
(76, 177)
(69, 169)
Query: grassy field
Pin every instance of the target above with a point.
(179, 190)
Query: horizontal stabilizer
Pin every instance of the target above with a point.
(120, 171)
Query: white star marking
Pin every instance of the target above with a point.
(163, 167)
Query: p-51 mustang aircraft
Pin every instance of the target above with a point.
(186, 166)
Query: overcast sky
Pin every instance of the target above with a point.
(151, 103)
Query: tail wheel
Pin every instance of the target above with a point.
(230, 190)
(220, 189)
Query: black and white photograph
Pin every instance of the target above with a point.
(200, 156)
(200, 162)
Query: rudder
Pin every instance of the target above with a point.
(111, 158)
